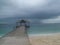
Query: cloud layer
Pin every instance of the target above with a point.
(9, 8)
(52, 20)
(15, 7)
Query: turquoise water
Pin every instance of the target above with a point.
(5, 28)
(44, 29)
(35, 28)
(7, 25)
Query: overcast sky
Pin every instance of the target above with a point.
(47, 10)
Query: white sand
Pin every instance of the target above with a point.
(51, 39)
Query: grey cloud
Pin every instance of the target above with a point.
(42, 8)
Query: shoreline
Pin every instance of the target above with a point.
(44, 39)
(48, 34)
(0, 36)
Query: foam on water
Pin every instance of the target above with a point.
(0, 36)
(50, 34)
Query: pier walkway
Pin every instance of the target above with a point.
(16, 37)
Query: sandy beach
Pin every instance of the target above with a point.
(53, 39)
(17, 37)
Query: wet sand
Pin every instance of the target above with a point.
(45, 40)
(17, 37)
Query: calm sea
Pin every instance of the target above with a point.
(35, 28)
(44, 29)
(6, 28)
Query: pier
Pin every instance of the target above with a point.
(16, 37)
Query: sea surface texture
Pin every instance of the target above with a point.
(5, 28)
(44, 29)
(7, 25)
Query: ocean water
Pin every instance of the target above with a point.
(7, 25)
(35, 27)
(44, 29)
(6, 28)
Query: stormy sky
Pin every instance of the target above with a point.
(48, 11)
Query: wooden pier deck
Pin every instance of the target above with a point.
(17, 37)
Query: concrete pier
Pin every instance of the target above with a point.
(16, 37)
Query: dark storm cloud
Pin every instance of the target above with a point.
(42, 9)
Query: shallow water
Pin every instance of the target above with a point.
(5, 28)
(44, 29)
(35, 28)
